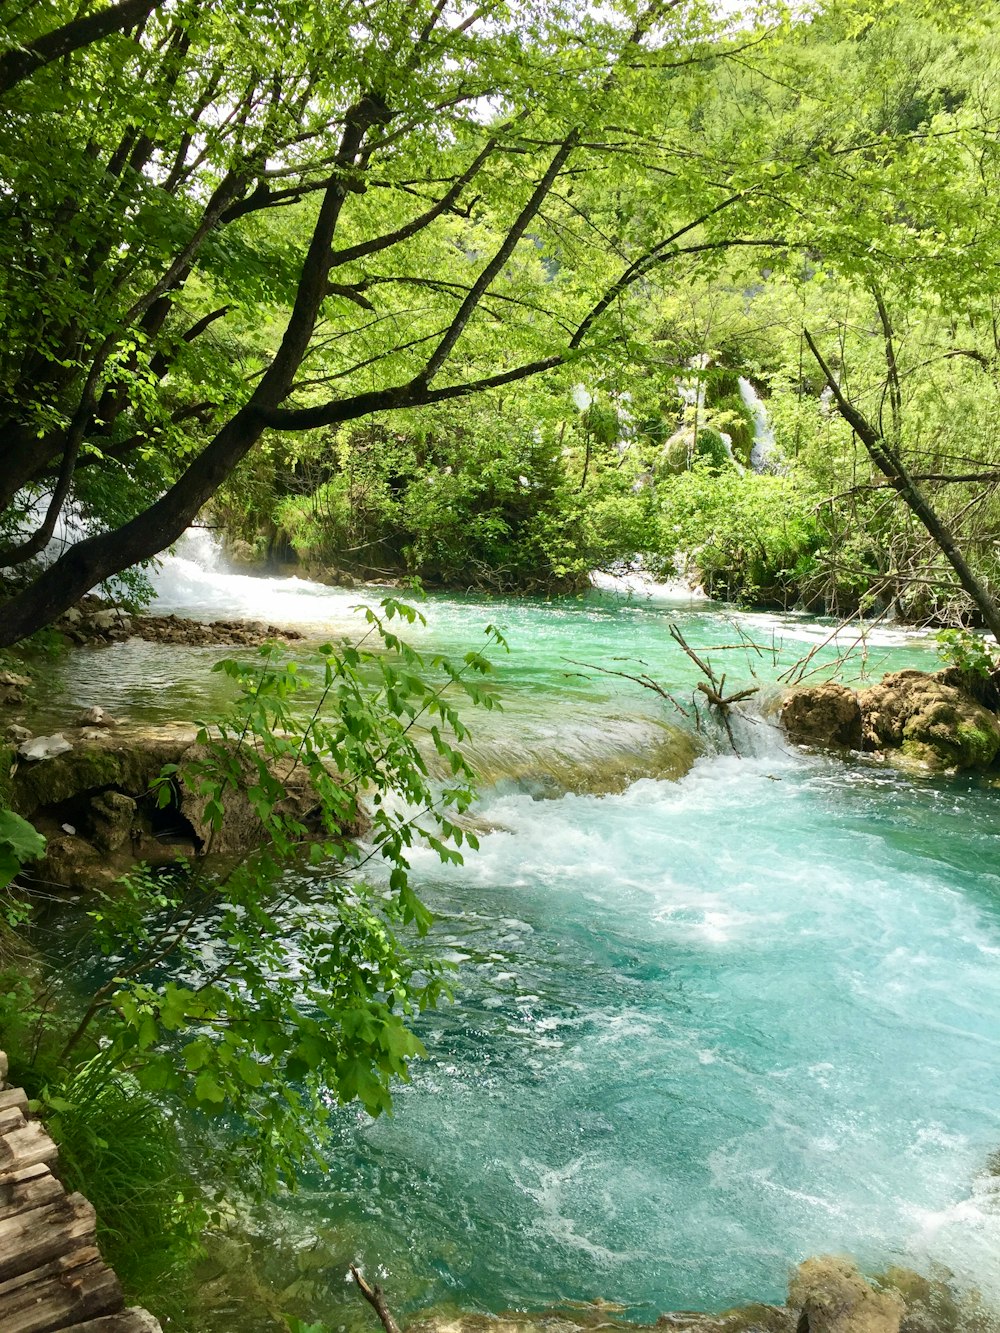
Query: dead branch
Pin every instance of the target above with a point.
(375, 1298)
(647, 682)
(713, 687)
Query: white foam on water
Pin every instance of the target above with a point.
(639, 584)
(194, 580)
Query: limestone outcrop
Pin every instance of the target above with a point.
(912, 717)
(823, 715)
(94, 623)
(833, 1297)
(93, 802)
(929, 721)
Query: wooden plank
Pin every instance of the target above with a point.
(30, 1239)
(14, 1097)
(33, 1187)
(60, 1294)
(26, 1146)
(129, 1321)
(11, 1118)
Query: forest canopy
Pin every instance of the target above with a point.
(428, 283)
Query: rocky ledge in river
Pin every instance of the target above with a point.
(826, 1294)
(94, 622)
(88, 789)
(254, 1287)
(937, 721)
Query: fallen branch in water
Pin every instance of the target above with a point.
(713, 688)
(375, 1298)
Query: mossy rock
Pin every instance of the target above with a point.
(929, 722)
(124, 760)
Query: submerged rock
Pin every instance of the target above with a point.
(833, 1297)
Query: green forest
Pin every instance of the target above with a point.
(464, 314)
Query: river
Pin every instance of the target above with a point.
(704, 1028)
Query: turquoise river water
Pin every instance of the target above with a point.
(704, 1028)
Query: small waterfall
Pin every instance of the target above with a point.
(763, 434)
(692, 392)
(193, 580)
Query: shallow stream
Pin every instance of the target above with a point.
(704, 1028)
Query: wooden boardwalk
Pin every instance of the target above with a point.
(52, 1275)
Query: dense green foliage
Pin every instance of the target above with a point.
(485, 297)
(265, 991)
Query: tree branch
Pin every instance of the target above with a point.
(21, 62)
(376, 1299)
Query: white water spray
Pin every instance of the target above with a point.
(193, 580)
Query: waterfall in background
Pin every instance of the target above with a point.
(193, 580)
(763, 434)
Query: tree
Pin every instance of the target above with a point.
(276, 217)
(883, 194)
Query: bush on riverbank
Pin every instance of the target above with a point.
(268, 991)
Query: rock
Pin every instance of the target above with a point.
(111, 619)
(931, 1306)
(72, 617)
(45, 747)
(123, 759)
(823, 715)
(835, 1298)
(73, 863)
(241, 829)
(101, 785)
(928, 721)
(112, 816)
(12, 688)
(69, 828)
(96, 717)
(17, 735)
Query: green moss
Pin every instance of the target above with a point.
(51, 781)
(711, 447)
(733, 416)
(921, 753)
(979, 745)
(721, 382)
